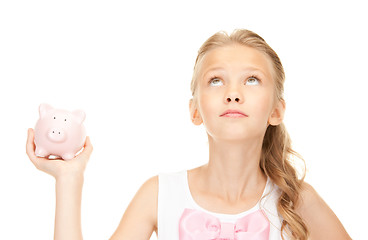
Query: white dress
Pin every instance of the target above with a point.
(174, 197)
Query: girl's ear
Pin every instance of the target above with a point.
(278, 113)
(195, 117)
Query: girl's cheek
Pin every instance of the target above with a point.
(264, 106)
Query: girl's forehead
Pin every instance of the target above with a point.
(236, 56)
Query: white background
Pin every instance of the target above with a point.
(129, 67)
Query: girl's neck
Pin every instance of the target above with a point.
(233, 168)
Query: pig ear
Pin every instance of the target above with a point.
(44, 108)
(80, 116)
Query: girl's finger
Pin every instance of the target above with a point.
(88, 148)
(30, 144)
(30, 147)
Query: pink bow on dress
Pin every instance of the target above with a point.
(198, 225)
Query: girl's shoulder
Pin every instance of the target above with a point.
(326, 225)
(309, 201)
(142, 211)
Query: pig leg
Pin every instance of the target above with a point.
(41, 152)
(67, 156)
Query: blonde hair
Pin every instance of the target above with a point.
(276, 154)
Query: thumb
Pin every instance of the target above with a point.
(88, 148)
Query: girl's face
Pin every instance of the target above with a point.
(236, 77)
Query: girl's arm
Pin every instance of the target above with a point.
(139, 220)
(69, 183)
(320, 219)
(68, 208)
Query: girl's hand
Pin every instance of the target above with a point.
(58, 167)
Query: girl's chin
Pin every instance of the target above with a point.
(232, 137)
(236, 136)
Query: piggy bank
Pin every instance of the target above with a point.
(59, 132)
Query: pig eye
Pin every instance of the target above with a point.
(54, 117)
(65, 120)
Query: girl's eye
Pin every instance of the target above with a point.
(252, 80)
(215, 80)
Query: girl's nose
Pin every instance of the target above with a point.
(235, 99)
(233, 94)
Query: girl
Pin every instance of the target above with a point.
(249, 188)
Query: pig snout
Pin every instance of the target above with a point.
(56, 135)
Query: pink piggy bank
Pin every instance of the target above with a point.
(59, 132)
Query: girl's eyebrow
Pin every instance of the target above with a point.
(212, 69)
(247, 69)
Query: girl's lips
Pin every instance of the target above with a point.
(234, 115)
